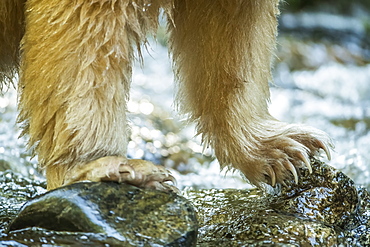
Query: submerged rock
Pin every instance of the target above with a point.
(116, 214)
(323, 209)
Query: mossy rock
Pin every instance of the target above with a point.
(117, 214)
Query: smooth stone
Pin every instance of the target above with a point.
(116, 213)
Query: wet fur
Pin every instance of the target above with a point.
(75, 73)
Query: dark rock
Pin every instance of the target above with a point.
(112, 213)
(326, 195)
(15, 190)
(323, 209)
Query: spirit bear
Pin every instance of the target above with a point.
(74, 60)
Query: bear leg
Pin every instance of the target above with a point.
(222, 51)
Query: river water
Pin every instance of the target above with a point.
(321, 78)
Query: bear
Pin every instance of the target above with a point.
(74, 63)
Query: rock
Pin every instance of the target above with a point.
(117, 214)
(14, 191)
(323, 209)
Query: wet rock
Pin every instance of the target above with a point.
(109, 213)
(323, 209)
(14, 191)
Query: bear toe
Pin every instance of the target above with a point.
(140, 173)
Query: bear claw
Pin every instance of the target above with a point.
(289, 166)
(140, 173)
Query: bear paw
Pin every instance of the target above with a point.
(274, 154)
(140, 173)
(292, 149)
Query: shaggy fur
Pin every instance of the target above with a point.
(76, 70)
(11, 32)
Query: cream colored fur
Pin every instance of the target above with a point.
(76, 70)
(223, 52)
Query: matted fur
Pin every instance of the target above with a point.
(11, 32)
(225, 62)
(76, 71)
(74, 83)
(222, 52)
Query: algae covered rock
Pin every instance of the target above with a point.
(323, 209)
(109, 213)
